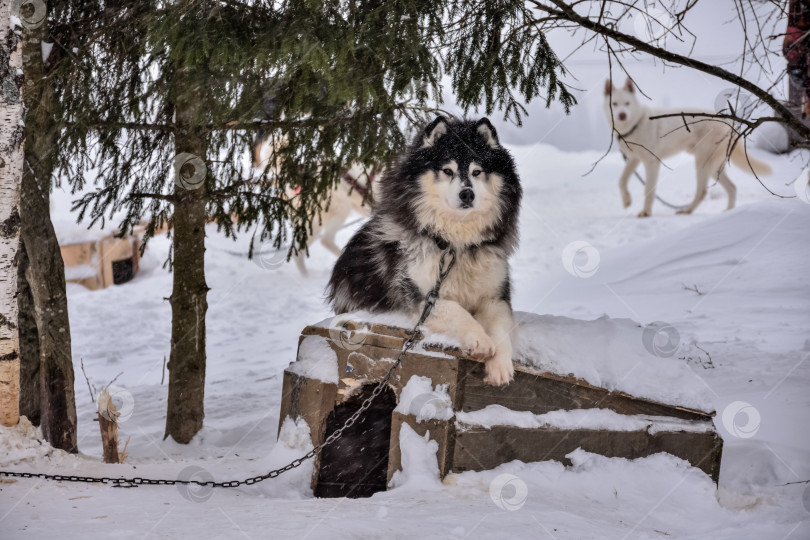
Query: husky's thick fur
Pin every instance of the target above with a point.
(713, 142)
(455, 186)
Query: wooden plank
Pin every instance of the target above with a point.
(479, 449)
(359, 339)
(371, 363)
(389, 337)
(441, 431)
(311, 400)
(541, 394)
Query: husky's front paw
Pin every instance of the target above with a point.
(684, 212)
(644, 213)
(499, 371)
(626, 199)
(478, 344)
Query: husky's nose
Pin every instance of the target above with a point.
(467, 196)
(622, 117)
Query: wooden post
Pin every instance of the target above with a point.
(108, 423)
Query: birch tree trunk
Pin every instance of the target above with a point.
(11, 162)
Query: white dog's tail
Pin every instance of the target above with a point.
(748, 164)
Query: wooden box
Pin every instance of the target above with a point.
(368, 455)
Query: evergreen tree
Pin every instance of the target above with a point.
(161, 100)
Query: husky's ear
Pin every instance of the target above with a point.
(608, 87)
(434, 131)
(628, 85)
(485, 128)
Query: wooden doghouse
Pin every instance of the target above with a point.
(364, 460)
(100, 262)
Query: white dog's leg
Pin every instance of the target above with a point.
(496, 318)
(449, 318)
(301, 257)
(700, 194)
(332, 227)
(629, 166)
(731, 189)
(651, 167)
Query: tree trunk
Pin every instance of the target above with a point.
(11, 162)
(46, 277)
(185, 410)
(45, 272)
(29, 344)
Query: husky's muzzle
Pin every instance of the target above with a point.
(467, 196)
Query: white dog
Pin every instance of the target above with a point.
(713, 142)
(350, 194)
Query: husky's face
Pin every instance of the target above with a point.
(461, 187)
(622, 108)
(459, 177)
(455, 182)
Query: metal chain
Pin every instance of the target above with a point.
(446, 262)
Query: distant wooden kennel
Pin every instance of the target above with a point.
(365, 458)
(100, 262)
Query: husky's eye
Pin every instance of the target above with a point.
(477, 172)
(448, 172)
(627, 104)
(615, 104)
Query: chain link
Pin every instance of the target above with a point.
(448, 259)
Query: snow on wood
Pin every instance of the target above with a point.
(316, 360)
(424, 401)
(606, 352)
(604, 419)
(420, 470)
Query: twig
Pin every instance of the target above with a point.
(163, 373)
(88, 381)
(693, 288)
(114, 379)
(796, 482)
(122, 455)
(710, 364)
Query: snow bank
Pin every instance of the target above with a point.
(80, 271)
(294, 440)
(24, 442)
(497, 415)
(425, 402)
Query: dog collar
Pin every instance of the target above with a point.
(440, 242)
(632, 129)
(355, 185)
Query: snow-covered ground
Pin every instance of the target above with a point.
(734, 287)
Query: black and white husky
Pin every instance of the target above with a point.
(455, 186)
